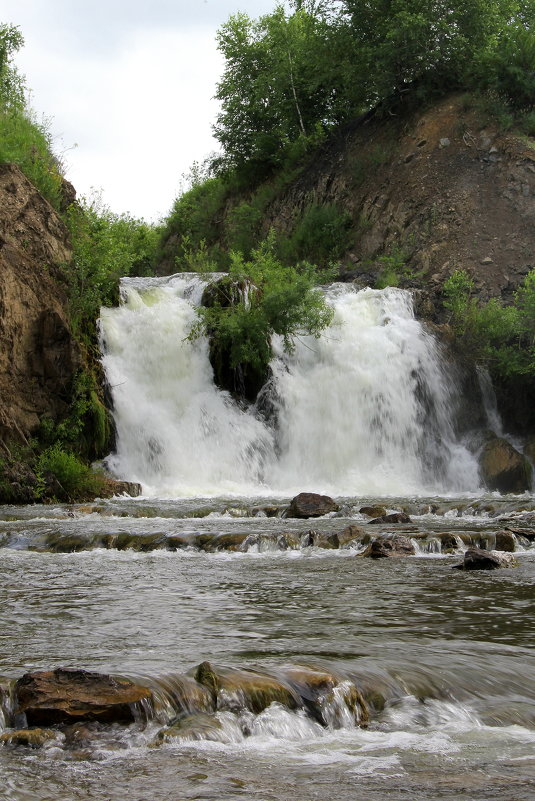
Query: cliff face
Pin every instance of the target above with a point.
(444, 186)
(37, 354)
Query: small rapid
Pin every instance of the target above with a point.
(368, 408)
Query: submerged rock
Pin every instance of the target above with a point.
(310, 504)
(394, 517)
(503, 468)
(65, 695)
(328, 698)
(192, 727)
(389, 546)
(478, 559)
(373, 511)
(32, 738)
(235, 690)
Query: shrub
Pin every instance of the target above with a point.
(74, 479)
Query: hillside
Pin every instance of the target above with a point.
(424, 193)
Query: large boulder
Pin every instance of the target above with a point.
(503, 468)
(65, 695)
(310, 504)
(384, 547)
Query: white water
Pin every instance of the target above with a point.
(366, 409)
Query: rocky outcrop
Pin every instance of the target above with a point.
(64, 696)
(310, 504)
(38, 356)
(503, 468)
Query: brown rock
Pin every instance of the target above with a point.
(478, 559)
(65, 695)
(389, 546)
(32, 738)
(310, 504)
(113, 487)
(395, 517)
(38, 356)
(373, 511)
(505, 541)
(238, 689)
(349, 534)
(503, 468)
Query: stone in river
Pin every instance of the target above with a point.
(478, 559)
(389, 547)
(310, 504)
(65, 695)
(503, 468)
(394, 517)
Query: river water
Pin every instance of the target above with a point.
(449, 653)
(205, 567)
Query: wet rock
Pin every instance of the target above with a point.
(529, 449)
(351, 534)
(65, 695)
(316, 688)
(267, 511)
(528, 533)
(389, 547)
(478, 559)
(503, 468)
(373, 511)
(235, 690)
(505, 541)
(32, 738)
(324, 539)
(229, 542)
(192, 727)
(310, 504)
(177, 543)
(113, 487)
(448, 542)
(395, 517)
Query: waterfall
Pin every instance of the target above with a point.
(366, 409)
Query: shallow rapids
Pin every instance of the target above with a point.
(444, 659)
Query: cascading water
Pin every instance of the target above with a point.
(366, 409)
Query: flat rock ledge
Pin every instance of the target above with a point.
(66, 695)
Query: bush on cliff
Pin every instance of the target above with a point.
(260, 298)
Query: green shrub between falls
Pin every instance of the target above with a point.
(261, 297)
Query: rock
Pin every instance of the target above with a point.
(444, 142)
(373, 511)
(113, 487)
(325, 539)
(478, 559)
(38, 355)
(395, 517)
(505, 541)
(448, 541)
(236, 690)
(229, 542)
(503, 468)
(192, 727)
(316, 688)
(389, 546)
(32, 738)
(529, 449)
(350, 534)
(66, 695)
(487, 260)
(310, 504)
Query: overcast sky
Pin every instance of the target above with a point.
(128, 87)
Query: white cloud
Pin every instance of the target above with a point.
(131, 84)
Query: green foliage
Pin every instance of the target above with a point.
(272, 299)
(243, 224)
(106, 246)
(322, 233)
(23, 140)
(74, 479)
(86, 428)
(501, 336)
(196, 217)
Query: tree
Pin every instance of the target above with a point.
(11, 83)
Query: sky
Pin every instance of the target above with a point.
(127, 87)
